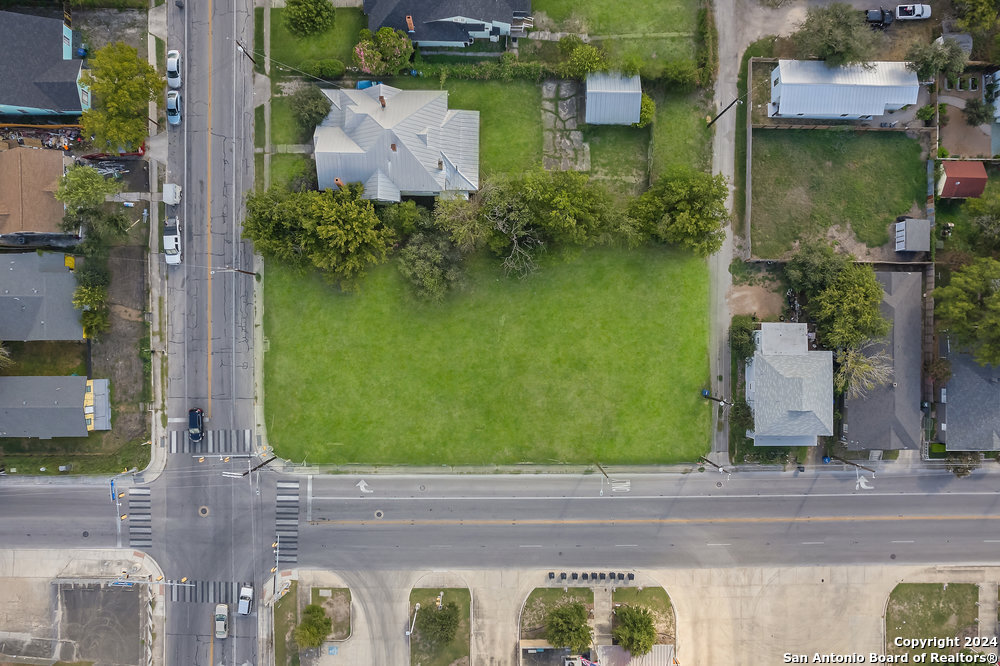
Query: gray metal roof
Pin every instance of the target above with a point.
(791, 394)
(969, 413)
(33, 73)
(43, 407)
(414, 145)
(810, 88)
(616, 655)
(913, 235)
(100, 412)
(889, 417)
(434, 20)
(36, 298)
(613, 99)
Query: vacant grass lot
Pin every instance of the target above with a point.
(680, 133)
(285, 166)
(806, 181)
(286, 616)
(289, 51)
(284, 128)
(619, 156)
(599, 356)
(423, 653)
(510, 119)
(925, 610)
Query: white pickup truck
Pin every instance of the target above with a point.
(912, 12)
(172, 241)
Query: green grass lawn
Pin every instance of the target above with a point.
(423, 653)
(925, 610)
(338, 607)
(286, 616)
(259, 131)
(284, 128)
(806, 181)
(258, 170)
(258, 39)
(510, 119)
(285, 166)
(290, 51)
(619, 156)
(544, 599)
(599, 356)
(46, 358)
(680, 135)
(656, 600)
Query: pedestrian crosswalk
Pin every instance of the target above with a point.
(204, 591)
(286, 522)
(214, 441)
(140, 527)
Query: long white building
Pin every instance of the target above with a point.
(810, 89)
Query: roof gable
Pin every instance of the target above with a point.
(613, 99)
(33, 72)
(36, 298)
(810, 88)
(963, 179)
(43, 407)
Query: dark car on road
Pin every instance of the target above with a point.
(879, 19)
(196, 421)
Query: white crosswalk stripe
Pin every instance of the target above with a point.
(214, 441)
(286, 521)
(139, 510)
(204, 591)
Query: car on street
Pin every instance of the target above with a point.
(222, 621)
(174, 69)
(245, 604)
(879, 19)
(913, 12)
(196, 422)
(174, 107)
(172, 242)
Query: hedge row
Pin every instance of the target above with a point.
(707, 47)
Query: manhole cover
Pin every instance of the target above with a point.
(86, 534)
(423, 487)
(203, 511)
(718, 484)
(379, 514)
(893, 556)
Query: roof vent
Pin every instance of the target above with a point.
(381, 100)
(440, 164)
(409, 23)
(338, 182)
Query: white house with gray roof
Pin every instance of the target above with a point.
(789, 387)
(613, 99)
(968, 408)
(36, 298)
(810, 89)
(397, 143)
(47, 407)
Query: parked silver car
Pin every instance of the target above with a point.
(174, 107)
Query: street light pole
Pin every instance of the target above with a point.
(277, 549)
(416, 608)
(230, 269)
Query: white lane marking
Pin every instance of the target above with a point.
(718, 544)
(902, 542)
(177, 420)
(530, 545)
(626, 545)
(363, 485)
(991, 540)
(578, 498)
(440, 545)
(812, 543)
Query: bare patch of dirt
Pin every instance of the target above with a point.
(338, 608)
(845, 241)
(464, 661)
(100, 27)
(130, 314)
(752, 299)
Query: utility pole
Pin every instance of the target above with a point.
(848, 462)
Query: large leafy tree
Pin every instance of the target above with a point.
(566, 626)
(567, 206)
(634, 630)
(684, 207)
(438, 627)
(431, 263)
(309, 106)
(384, 52)
(584, 59)
(837, 34)
(122, 85)
(308, 17)
(337, 232)
(814, 267)
(977, 15)
(985, 214)
(978, 112)
(861, 369)
(969, 308)
(314, 627)
(847, 311)
(84, 187)
(929, 59)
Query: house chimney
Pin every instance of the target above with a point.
(338, 182)
(393, 147)
(409, 23)
(381, 100)
(440, 164)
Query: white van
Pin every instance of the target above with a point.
(246, 600)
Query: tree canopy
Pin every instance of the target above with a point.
(861, 369)
(837, 34)
(308, 17)
(438, 627)
(309, 106)
(314, 627)
(431, 263)
(814, 267)
(968, 307)
(84, 187)
(384, 52)
(567, 626)
(584, 59)
(634, 630)
(338, 232)
(929, 59)
(978, 112)
(977, 15)
(684, 207)
(847, 311)
(122, 85)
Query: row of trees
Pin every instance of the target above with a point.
(515, 217)
(567, 626)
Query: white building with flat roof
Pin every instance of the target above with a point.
(810, 89)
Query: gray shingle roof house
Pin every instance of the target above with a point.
(968, 410)
(810, 89)
(397, 142)
(613, 99)
(36, 298)
(789, 388)
(47, 407)
(38, 75)
(889, 417)
(456, 23)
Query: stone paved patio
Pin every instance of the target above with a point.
(563, 146)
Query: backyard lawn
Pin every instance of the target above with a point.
(423, 653)
(284, 128)
(285, 166)
(510, 119)
(619, 156)
(680, 133)
(806, 181)
(290, 51)
(600, 356)
(926, 610)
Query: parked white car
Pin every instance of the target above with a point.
(912, 12)
(174, 69)
(222, 621)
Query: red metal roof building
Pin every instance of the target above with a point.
(962, 180)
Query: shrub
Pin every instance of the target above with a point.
(314, 628)
(584, 59)
(90, 298)
(92, 274)
(309, 106)
(926, 113)
(438, 627)
(647, 111)
(568, 44)
(681, 74)
(431, 263)
(707, 49)
(978, 112)
(741, 341)
(308, 17)
(95, 323)
(330, 68)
